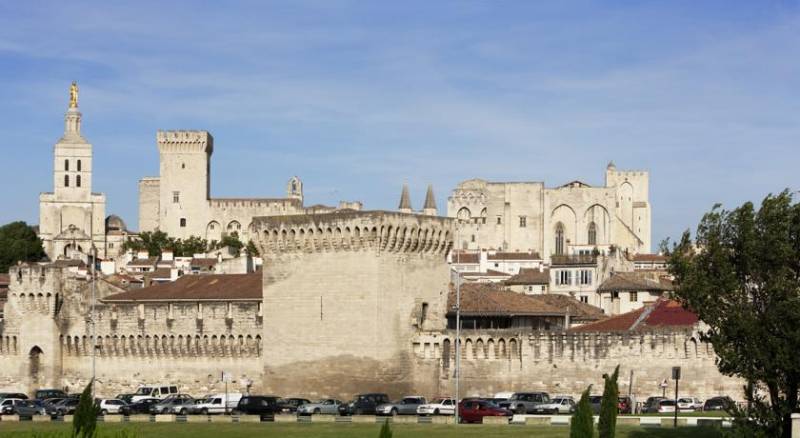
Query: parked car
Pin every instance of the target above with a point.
(719, 403)
(690, 404)
(326, 406)
(50, 405)
(406, 406)
(363, 404)
(18, 395)
(7, 405)
(257, 405)
(127, 398)
(110, 406)
(651, 405)
(173, 405)
(527, 402)
(159, 392)
(66, 406)
(140, 407)
(473, 411)
(625, 405)
(560, 405)
(216, 404)
(28, 408)
(666, 406)
(440, 406)
(289, 405)
(595, 401)
(42, 394)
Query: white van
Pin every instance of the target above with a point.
(160, 392)
(215, 403)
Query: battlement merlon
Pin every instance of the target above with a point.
(355, 231)
(185, 141)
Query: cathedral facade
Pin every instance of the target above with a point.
(572, 219)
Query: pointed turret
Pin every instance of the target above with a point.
(429, 208)
(405, 200)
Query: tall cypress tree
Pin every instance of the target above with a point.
(582, 422)
(609, 406)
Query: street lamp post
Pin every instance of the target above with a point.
(93, 273)
(458, 326)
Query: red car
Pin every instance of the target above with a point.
(624, 406)
(473, 411)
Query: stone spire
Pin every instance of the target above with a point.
(405, 201)
(429, 208)
(72, 119)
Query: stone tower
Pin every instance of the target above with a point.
(294, 189)
(360, 285)
(71, 218)
(184, 184)
(429, 208)
(405, 201)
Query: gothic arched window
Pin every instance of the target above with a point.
(66, 180)
(559, 238)
(592, 234)
(78, 181)
(79, 165)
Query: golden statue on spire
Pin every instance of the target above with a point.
(73, 95)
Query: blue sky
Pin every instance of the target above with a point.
(358, 97)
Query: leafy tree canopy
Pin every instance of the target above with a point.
(741, 275)
(19, 243)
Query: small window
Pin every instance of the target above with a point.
(634, 296)
(176, 197)
(110, 245)
(66, 180)
(183, 222)
(523, 221)
(499, 220)
(78, 181)
(79, 165)
(66, 165)
(423, 314)
(473, 238)
(183, 165)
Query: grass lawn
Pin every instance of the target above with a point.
(267, 430)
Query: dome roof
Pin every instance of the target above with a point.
(115, 223)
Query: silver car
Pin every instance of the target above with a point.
(179, 404)
(560, 405)
(327, 406)
(406, 406)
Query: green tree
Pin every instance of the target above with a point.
(84, 423)
(386, 430)
(19, 243)
(582, 422)
(153, 242)
(190, 246)
(251, 249)
(609, 406)
(232, 241)
(741, 275)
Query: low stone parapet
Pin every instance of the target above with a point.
(319, 418)
(495, 420)
(67, 418)
(363, 419)
(248, 419)
(165, 418)
(9, 418)
(443, 419)
(285, 418)
(405, 419)
(669, 422)
(112, 418)
(221, 418)
(139, 419)
(197, 418)
(41, 419)
(538, 421)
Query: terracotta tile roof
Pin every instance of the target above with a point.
(577, 309)
(215, 287)
(530, 276)
(663, 314)
(140, 263)
(466, 257)
(634, 281)
(161, 273)
(571, 260)
(488, 273)
(69, 263)
(481, 299)
(657, 258)
(514, 256)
